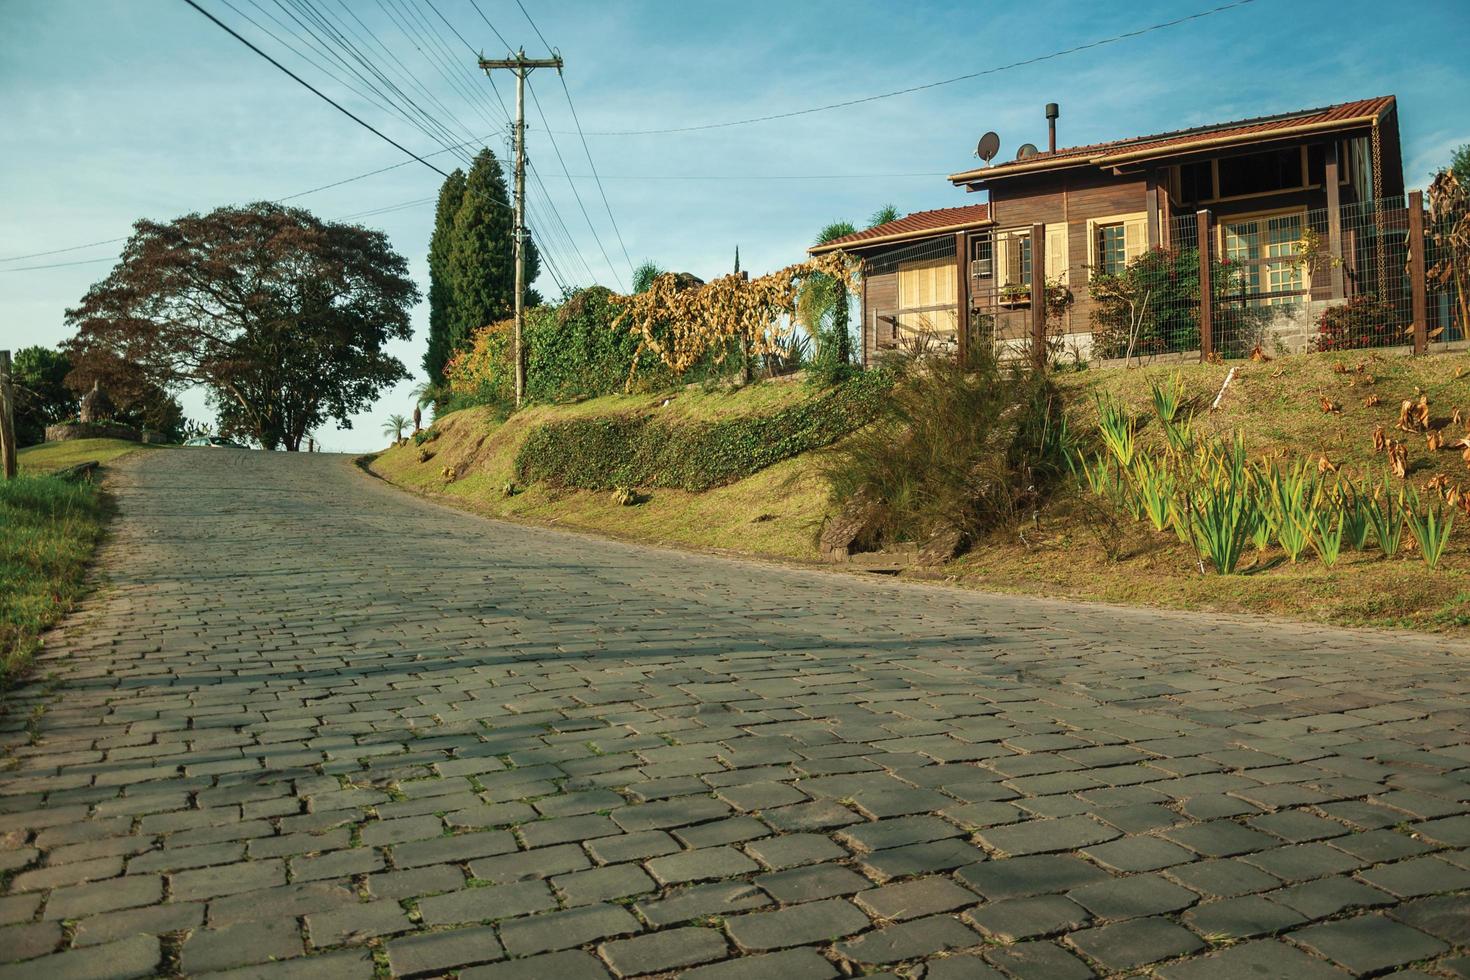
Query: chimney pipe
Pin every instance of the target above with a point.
(1052, 112)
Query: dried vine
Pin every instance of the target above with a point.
(681, 325)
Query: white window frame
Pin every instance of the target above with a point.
(1135, 235)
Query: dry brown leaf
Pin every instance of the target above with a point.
(1259, 356)
(1437, 482)
(1460, 371)
(1329, 406)
(1398, 458)
(1434, 440)
(1371, 400)
(1339, 368)
(1454, 496)
(1325, 465)
(1380, 441)
(1368, 379)
(1278, 372)
(1421, 412)
(1456, 418)
(1360, 366)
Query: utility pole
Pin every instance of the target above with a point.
(521, 66)
(7, 419)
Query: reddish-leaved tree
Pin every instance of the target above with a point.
(283, 317)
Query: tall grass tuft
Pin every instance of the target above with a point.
(1430, 527)
(1117, 429)
(956, 448)
(1386, 514)
(1168, 397)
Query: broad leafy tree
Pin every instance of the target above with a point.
(283, 317)
(441, 292)
(41, 395)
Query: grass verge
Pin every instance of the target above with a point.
(49, 528)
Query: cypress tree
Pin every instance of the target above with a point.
(441, 300)
(481, 254)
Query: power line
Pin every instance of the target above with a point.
(314, 90)
(928, 85)
(585, 148)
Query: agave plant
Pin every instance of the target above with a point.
(1327, 536)
(1168, 398)
(1354, 506)
(1179, 433)
(1386, 514)
(1154, 486)
(1292, 496)
(1117, 429)
(1431, 528)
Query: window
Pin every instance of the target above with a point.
(1116, 240)
(982, 257)
(927, 295)
(1111, 243)
(1261, 173)
(1254, 242)
(1196, 182)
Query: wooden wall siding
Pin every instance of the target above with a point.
(1082, 195)
(881, 298)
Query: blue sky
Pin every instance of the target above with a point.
(117, 109)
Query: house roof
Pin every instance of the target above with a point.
(1344, 115)
(920, 224)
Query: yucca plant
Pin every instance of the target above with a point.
(1223, 521)
(1386, 514)
(1327, 535)
(1292, 497)
(1355, 522)
(1430, 527)
(1116, 428)
(1168, 397)
(1153, 485)
(1097, 473)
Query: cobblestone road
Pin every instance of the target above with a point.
(317, 728)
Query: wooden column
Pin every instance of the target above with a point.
(1155, 225)
(1418, 298)
(1334, 221)
(1038, 296)
(7, 418)
(1206, 288)
(962, 298)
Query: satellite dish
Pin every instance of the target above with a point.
(1027, 151)
(988, 147)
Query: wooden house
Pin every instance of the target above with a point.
(1265, 181)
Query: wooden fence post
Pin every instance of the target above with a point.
(1038, 296)
(7, 418)
(1418, 284)
(1206, 288)
(962, 298)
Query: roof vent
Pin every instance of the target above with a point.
(1052, 112)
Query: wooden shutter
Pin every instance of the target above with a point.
(1056, 252)
(1135, 236)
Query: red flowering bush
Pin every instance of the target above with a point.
(1363, 321)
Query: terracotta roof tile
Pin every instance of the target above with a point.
(915, 225)
(1182, 139)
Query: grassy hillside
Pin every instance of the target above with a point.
(52, 456)
(1065, 550)
(776, 512)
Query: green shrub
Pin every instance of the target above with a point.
(573, 352)
(955, 449)
(638, 450)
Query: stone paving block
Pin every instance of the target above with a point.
(1138, 854)
(632, 847)
(908, 940)
(1296, 826)
(715, 898)
(460, 847)
(661, 951)
(563, 930)
(790, 964)
(28, 940)
(671, 813)
(544, 833)
(1451, 831)
(415, 882)
(1133, 896)
(541, 862)
(1329, 896)
(915, 859)
(1381, 845)
(154, 920)
(1036, 875)
(573, 964)
(1243, 917)
(1368, 943)
(136, 956)
(1302, 862)
(1016, 919)
(19, 908)
(911, 899)
(1445, 917)
(1220, 838)
(226, 879)
(794, 850)
(1039, 961)
(1417, 877)
(336, 864)
(1042, 836)
(1135, 943)
(897, 832)
(796, 925)
(208, 950)
(816, 815)
(810, 883)
(295, 899)
(62, 875)
(353, 924)
(732, 830)
(487, 904)
(603, 884)
(96, 897)
(437, 952)
(702, 865)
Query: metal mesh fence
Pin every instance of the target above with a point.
(922, 314)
